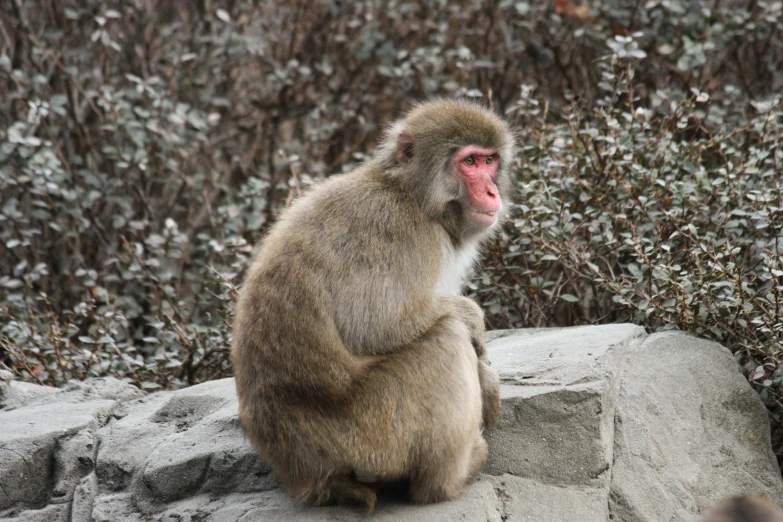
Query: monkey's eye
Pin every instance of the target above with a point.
(470, 160)
(490, 159)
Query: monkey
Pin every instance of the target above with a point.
(357, 360)
(745, 509)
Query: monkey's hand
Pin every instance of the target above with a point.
(467, 311)
(479, 343)
(489, 380)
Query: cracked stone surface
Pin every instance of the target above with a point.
(597, 423)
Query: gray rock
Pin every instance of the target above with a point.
(597, 424)
(182, 465)
(44, 448)
(51, 513)
(158, 447)
(15, 394)
(118, 507)
(479, 502)
(690, 431)
(127, 440)
(531, 501)
(6, 378)
(28, 439)
(74, 459)
(559, 397)
(84, 499)
(570, 428)
(107, 388)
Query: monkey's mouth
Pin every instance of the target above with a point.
(490, 213)
(483, 217)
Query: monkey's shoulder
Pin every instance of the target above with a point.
(363, 204)
(355, 220)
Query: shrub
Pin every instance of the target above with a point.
(143, 152)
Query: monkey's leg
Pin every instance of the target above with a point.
(441, 481)
(446, 454)
(478, 458)
(469, 313)
(489, 379)
(446, 479)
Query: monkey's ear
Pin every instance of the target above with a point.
(404, 153)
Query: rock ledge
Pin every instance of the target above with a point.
(597, 423)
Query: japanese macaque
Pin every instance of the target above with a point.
(745, 509)
(357, 361)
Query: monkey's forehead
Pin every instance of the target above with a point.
(457, 123)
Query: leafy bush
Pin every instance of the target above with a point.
(143, 152)
(666, 216)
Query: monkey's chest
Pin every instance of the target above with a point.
(456, 267)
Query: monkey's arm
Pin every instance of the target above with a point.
(467, 311)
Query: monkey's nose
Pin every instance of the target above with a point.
(492, 190)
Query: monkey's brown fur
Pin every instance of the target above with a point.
(354, 355)
(745, 509)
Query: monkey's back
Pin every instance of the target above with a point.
(336, 274)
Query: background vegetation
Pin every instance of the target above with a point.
(146, 145)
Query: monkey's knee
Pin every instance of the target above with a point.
(489, 379)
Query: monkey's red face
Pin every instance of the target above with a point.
(478, 168)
